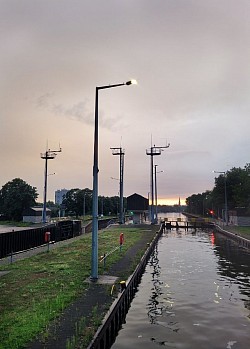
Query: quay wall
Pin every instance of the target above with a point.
(114, 319)
(233, 236)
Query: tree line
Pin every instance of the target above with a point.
(78, 202)
(235, 183)
(17, 195)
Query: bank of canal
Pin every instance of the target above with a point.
(195, 293)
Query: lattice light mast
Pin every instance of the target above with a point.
(121, 152)
(153, 151)
(48, 155)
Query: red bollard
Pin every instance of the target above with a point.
(121, 240)
(47, 238)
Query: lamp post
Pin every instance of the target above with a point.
(94, 260)
(225, 194)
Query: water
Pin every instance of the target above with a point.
(195, 293)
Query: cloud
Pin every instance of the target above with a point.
(78, 111)
(191, 59)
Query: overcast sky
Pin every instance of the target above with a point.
(190, 58)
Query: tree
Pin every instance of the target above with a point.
(199, 204)
(75, 199)
(237, 181)
(15, 196)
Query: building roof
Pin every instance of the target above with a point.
(137, 202)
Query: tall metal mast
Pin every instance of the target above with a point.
(48, 155)
(121, 152)
(153, 151)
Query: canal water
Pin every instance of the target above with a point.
(195, 293)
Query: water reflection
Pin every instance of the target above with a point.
(234, 265)
(194, 294)
(154, 307)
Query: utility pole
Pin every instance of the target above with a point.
(156, 197)
(121, 152)
(48, 155)
(84, 205)
(153, 151)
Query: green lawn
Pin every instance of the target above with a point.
(36, 290)
(16, 224)
(241, 231)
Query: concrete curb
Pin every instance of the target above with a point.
(245, 243)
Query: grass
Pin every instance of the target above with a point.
(36, 290)
(84, 331)
(241, 231)
(16, 224)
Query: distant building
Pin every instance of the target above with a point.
(59, 195)
(34, 215)
(137, 206)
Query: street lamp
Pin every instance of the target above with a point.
(94, 261)
(225, 194)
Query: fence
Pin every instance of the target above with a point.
(21, 240)
(102, 224)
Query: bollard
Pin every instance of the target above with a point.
(47, 239)
(122, 285)
(121, 241)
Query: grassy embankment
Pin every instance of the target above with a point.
(241, 231)
(36, 290)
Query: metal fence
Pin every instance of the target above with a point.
(22, 240)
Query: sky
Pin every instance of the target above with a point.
(190, 58)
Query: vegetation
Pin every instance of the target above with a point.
(241, 231)
(15, 196)
(36, 290)
(78, 201)
(212, 202)
(15, 223)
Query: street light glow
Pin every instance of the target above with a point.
(131, 82)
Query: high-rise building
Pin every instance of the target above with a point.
(59, 195)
